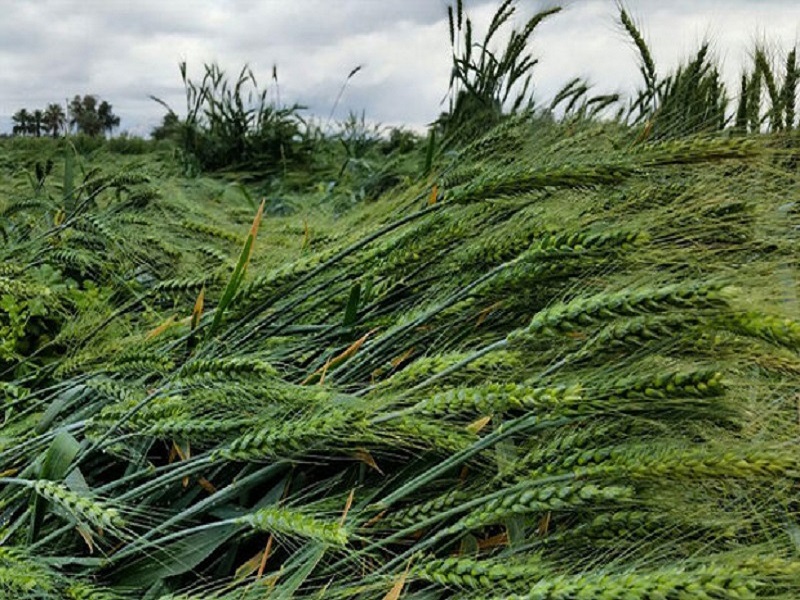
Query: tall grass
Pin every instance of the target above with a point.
(694, 99)
(232, 123)
(486, 82)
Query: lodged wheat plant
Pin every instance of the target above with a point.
(565, 365)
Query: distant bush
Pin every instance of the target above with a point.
(233, 125)
(85, 144)
(128, 144)
(400, 140)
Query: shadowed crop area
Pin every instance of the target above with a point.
(540, 354)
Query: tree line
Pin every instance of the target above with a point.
(86, 114)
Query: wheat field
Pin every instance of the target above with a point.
(542, 355)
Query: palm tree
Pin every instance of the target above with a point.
(54, 119)
(75, 113)
(83, 114)
(21, 120)
(108, 120)
(36, 123)
(91, 118)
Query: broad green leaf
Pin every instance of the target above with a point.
(304, 562)
(239, 271)
(351, 310)
(69, 179)
(56, 462)
(174, 558)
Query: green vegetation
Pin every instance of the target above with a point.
(231, 125)
(557, 358)
(87, 115)
(50, 121)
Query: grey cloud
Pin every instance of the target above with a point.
(124, 51)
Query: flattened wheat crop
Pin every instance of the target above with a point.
(562, 365)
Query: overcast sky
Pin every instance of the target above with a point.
(125, 50)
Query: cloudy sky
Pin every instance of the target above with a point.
(126, 50)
